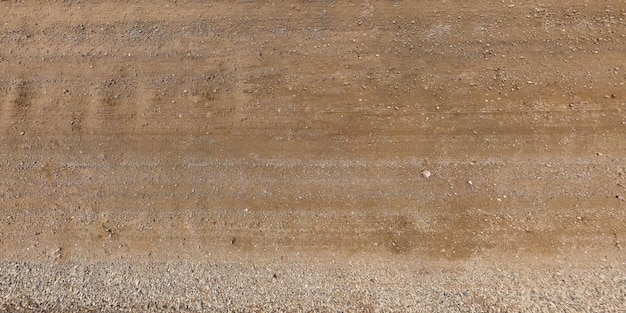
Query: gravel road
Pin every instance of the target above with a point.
(388, 156)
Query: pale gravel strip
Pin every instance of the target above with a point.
(298, 287)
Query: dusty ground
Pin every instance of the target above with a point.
(313, 155)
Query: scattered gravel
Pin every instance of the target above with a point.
(192, 287)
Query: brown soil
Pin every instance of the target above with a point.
(212, 132)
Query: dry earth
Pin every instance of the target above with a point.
(312, 155)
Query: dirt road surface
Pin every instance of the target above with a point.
(312, 156)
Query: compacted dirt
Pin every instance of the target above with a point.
(312, 155)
